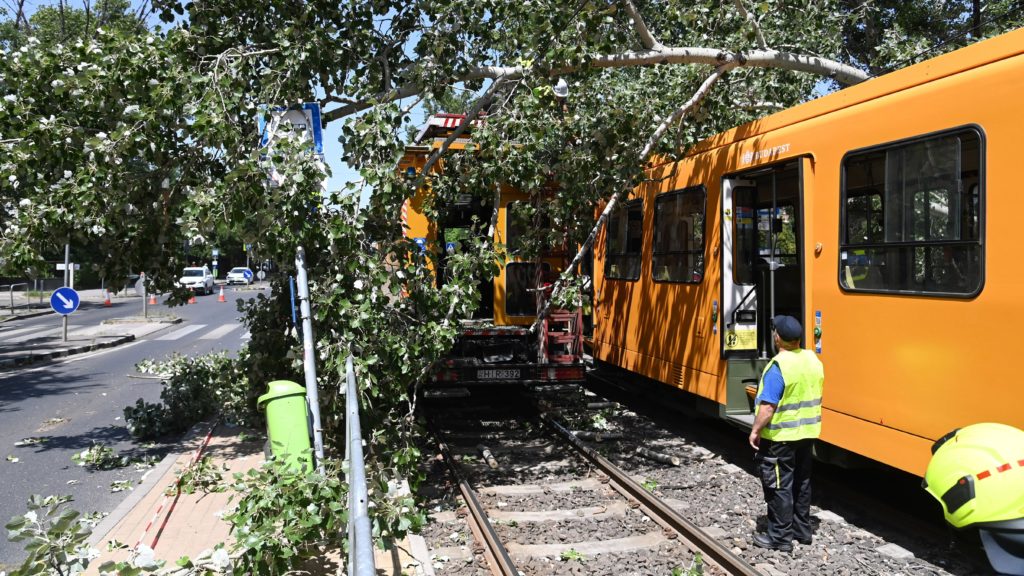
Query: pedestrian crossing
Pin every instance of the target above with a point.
(23, 334)
(26, 335)
(214, 334)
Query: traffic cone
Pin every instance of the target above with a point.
(221, 297)
(192, 300)
(106, 298)
(152, 299)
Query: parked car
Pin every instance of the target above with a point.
(239, 275)
(197, 278)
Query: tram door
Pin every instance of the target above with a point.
(762, 274)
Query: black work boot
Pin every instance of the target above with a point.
(763, 541)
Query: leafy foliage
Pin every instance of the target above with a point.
(285, 516)
(194, 389)
(203, 476)
(56, 537)
(53, 25)
(99, 456)
(891, 34)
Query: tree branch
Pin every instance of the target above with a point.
(753, 22)
(646, 38)
(459, 131)
(842, 73)
(683, 110)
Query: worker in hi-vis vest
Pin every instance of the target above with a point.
(787, 419)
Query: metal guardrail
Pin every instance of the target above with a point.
(10, 290)
(360, 537)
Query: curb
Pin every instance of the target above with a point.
(33, 358)
(23, 316)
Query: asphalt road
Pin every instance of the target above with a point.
(77, 401)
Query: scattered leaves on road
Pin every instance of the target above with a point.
(120, 485)
(30, 441)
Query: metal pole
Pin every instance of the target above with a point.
(67, 268)
(361, 562)
(309, 356)
(145, 303)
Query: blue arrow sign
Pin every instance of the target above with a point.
(247, 273)
(64, 300)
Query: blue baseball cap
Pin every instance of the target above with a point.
(788, 328)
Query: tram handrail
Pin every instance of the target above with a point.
(360, 537)
(10, 290)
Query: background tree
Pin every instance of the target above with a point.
(884, 35)
(55, 24)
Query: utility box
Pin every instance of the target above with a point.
(288, 423)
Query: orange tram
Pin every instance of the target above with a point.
(880, 216)
(496, 345)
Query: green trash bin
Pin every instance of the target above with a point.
(288, 423)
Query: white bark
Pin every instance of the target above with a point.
(842, 73)
(753, 22)
(646, 38)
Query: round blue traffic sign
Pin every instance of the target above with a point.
(64, 300)
(247, 273)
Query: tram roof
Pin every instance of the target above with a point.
(976, 55)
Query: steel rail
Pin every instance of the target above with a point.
(497, 555)
(713, 551)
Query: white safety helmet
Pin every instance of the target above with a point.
(561, 88)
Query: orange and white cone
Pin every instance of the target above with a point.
(152, 299)
(106, 298)
(221, 297)
(192, 300)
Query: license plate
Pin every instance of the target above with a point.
(498, 374)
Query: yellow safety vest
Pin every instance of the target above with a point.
(798, 414)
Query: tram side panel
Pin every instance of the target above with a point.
(655, 322)
(906, 368)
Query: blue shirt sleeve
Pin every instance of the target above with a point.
(773, 384)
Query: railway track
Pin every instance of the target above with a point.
(871, 521)
(535, 500)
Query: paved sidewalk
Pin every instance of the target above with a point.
(173, 524)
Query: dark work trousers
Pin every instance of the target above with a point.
(785, 470)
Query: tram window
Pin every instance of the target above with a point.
(678, 254)
(624, 240)
(911, 217)
(520, 297)
(765, 228)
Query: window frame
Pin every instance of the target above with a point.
(659, 200)
(845, 246)
(625, 208)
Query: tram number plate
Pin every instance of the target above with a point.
(503, 374)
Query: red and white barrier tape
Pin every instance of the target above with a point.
(177, 492)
